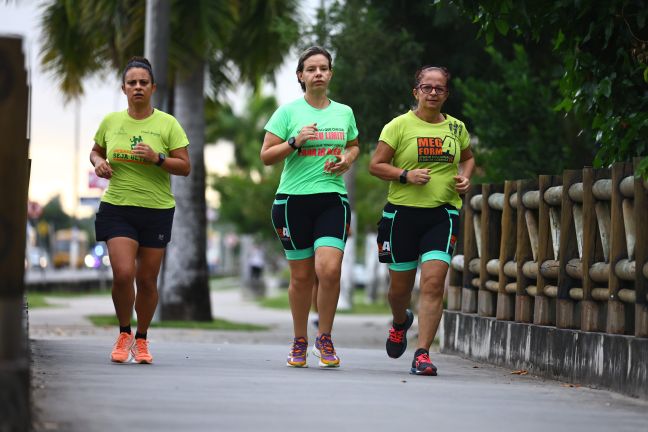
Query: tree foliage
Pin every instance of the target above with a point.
(246, 203)
(377, 47)
(54, 214)
(244, 130)
(241, 41)
(87, 37)
(604, 49)
(247, 193)
(520, 134)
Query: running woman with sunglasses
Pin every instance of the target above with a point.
(425, 155)
(317, 140)
(137, 149)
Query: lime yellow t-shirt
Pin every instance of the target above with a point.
(136, 182)
(419, 144)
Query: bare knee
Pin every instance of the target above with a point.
(146, 285)
(123, 278)
(329, 273)
(432, 286)
(302, 280)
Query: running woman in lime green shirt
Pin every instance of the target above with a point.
(137, 150)
(317, 139)
(426, 156)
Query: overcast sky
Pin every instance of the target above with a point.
(52, 146)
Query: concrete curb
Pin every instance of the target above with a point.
(615, 362)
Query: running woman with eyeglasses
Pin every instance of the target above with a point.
(317, 141)
(425, 155)
(137, 149)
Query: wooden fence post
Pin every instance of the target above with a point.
(616, 310)
(594, 251)
(526, 238)
(506, 301)
(543, 312)
(471, 251)
(566, 314)
(641, 254)
(491, 223)
(14, 173)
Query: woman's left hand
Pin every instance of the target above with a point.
(339, 167)
(145, 152)
(461, 184)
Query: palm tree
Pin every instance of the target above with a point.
(244, 40)
(245, 130)
(258, 36)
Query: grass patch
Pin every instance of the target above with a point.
(38, 299)
(278, 302)
(216, 324)
(223, 283)
(359, 305)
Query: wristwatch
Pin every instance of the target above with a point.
(161, 159)
(291, 143)
(403, 177)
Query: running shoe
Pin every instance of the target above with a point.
(422, 365)
(325, 351)
(140, 352)
(298, 353)
(121, 349)
(397, 340)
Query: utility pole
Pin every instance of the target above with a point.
(74, 240)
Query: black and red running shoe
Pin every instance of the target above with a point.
(422, 365)
(397, 340)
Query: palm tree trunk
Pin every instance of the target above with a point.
(185, 295)
(156, 47)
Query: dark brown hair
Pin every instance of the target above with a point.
(309, 52)
(138, 62)
(419, 74)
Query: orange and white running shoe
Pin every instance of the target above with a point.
(122, 348)
(140, 352)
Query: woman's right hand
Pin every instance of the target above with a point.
(419, 176)
(103, 169)
(306, 133)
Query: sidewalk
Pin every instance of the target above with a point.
(67, 320)
(237, 381)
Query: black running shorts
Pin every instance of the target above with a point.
(305, 222)
(407, 233)
(149, 227)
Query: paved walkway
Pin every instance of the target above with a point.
(234, 381)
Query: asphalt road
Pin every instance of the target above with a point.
(228, 381)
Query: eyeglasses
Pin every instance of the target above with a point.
(427, 89)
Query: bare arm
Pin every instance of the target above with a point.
(381, 167)
(275, 149)
(98, 160)
(466, 167)
(177, 163)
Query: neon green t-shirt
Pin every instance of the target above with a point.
(419, 144)
(136, 182)
(303, 171)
